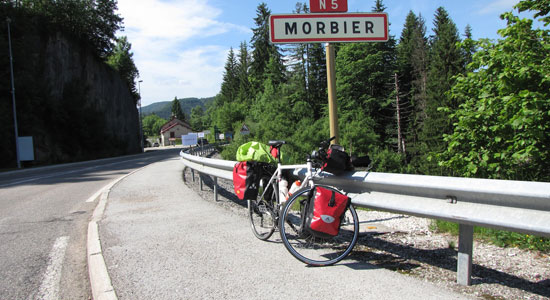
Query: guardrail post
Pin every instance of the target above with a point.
(183, 174)
(465, 246)
(216, 189)
(200, 180)
(193, 175)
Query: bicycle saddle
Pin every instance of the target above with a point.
(276, 144)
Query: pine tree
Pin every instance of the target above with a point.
(317, 79)
(364, 74)
(404, 53)
(307, 72)
(446, 61)
(243, 71)
(412, 61)
(176, 110)
(263, 50)
(197, 118)
(405, 77)
(230, 83)
(418, 97)
(468, 46)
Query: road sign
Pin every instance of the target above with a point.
(189, 140)
(321, 28)
(323, 6)
(245, 130)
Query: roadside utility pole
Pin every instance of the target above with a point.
(8, 20)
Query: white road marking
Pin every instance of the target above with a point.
(49, 289)
(94, 196)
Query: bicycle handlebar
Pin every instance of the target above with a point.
(320, 155)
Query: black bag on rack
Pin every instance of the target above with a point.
(337, 161)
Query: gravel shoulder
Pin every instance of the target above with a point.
(405, 244)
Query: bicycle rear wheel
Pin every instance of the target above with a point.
(313, 250)
(261, 212)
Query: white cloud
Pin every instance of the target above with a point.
(192, 73)
(497, 6)
(161, 19)
(164, 37)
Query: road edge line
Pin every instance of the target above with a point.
(100, 281)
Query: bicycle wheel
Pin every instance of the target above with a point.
(313, 250)
(262, 216)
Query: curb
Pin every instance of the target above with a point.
(100, 281)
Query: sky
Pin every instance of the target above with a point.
(180, 46)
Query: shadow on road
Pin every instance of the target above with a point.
(85, 171)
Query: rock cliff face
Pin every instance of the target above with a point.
(70, 101)
(66, 64)
(74, 105)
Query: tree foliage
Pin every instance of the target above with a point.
(263, 51)
(93, 21)
(467, 107)
(502, 128)
(152, 125)
(445, 61)
(176, 110)
(121, 60)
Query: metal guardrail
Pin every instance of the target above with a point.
(518, 206)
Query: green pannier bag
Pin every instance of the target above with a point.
(255, 151)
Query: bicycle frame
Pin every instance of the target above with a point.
(277, 176)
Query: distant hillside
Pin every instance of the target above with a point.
(163, 109)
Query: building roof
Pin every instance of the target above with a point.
(173, 123)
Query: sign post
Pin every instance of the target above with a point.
(331, 89)
(325, 27)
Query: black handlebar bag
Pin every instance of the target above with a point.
(337, 161)
(324, 213)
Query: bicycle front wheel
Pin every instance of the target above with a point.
(313, 250)
(262, 215)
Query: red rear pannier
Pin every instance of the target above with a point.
(325, 211)
(246, 179)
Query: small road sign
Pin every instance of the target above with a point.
(323, 6)
(321, 28)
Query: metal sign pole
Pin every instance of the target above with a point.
(13, 98)
(332, 101)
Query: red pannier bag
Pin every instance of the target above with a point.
(326, 208)
(246, 179)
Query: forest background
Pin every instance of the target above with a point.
(443, 104)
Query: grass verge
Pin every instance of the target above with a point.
(500, 238)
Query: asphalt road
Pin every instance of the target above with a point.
(161, 240)
(44, 214)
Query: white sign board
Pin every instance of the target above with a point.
(201, 134)
(26, 148)
(331, 27)
(189, 139)
(222, 136)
